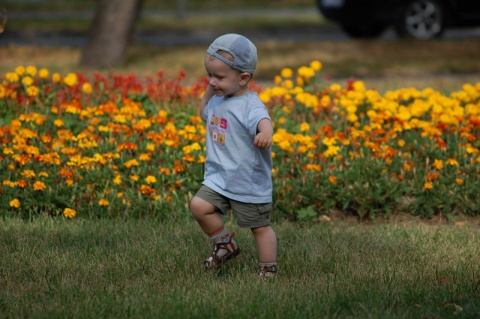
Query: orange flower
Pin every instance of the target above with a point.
(438, 164)
(69, 213)
(332, 179)
(147, 190)
(39, 186)
(22, 183)
(427, 185)
(459, 181)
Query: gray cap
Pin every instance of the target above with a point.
(243, 51)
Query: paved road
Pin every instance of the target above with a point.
(200, 36)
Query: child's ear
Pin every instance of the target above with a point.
(245, 77)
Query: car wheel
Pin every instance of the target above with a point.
(421, 19)
(363, 31)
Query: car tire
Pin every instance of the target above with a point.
(364, 31)
(421, 19)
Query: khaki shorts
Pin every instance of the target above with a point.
(248, 215)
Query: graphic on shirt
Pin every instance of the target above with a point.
(217, 129)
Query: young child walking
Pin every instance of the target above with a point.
(238, 162)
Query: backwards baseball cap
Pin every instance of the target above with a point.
(243, 51)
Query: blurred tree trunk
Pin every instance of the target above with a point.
(110, 33)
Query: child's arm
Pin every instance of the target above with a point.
(206, 97)
(263, 139)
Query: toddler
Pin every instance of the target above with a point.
(238, 162)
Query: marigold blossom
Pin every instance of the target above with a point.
(15, 203)
(39, 186)
(69, 213)
(103, 202)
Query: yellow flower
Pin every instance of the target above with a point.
(86, 88)
(150, 147)
(150, 179)
(134, 178)
(71, 79)
(15, 203)
(27, 81)
(438, 164)
(103, 202)
(117, 180)
(286, 73)
(31, 70)
(58, 123)
(12, 77)
(39, 186)
(28, 173)
(43, 73)
(69, 213)
(451, 162)
(352, 117)
(32, 91)
(165, 171)
(331, 151)
(300, 81)
(316, 65)
(304, 127)
(459, 181)
(20, 70)
(9, 183)
(131, 163)
(277, 79)
(56, 78)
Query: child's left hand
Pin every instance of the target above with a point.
(263, 140)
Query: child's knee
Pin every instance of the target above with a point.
(200, 207)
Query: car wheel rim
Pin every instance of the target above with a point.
(423, 19)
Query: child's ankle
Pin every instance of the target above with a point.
(268, 270)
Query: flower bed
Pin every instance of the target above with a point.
(121, 146)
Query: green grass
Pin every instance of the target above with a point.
(51, 268)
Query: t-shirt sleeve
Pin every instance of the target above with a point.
(257, 113)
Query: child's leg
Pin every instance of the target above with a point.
(206, 216)
(266, 244)
(224, 247)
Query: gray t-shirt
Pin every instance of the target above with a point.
(234, 167)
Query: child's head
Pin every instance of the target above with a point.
(236, 51)
(230, 62)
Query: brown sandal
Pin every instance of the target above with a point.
(268, 271)
(222, 252)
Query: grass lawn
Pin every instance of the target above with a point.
(54, 268)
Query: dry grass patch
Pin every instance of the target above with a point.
(441, 64)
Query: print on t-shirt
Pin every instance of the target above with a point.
(218, 126)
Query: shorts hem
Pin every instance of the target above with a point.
(256, 225)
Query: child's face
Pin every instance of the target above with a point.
(224, 80)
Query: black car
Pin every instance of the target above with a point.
(422, 19)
